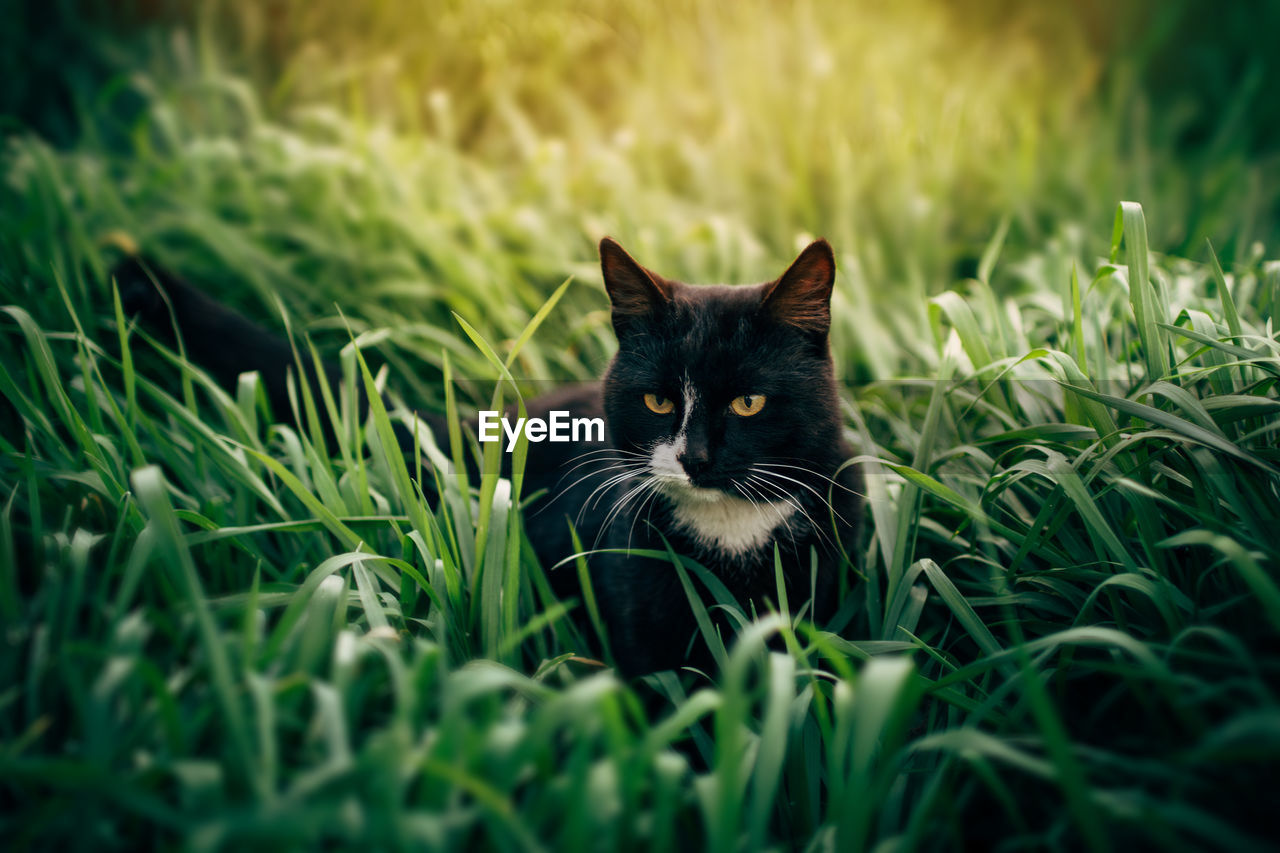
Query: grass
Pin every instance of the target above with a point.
(223, 631)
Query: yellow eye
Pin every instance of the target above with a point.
(747, 405)
(659, 405)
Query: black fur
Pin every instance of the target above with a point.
(769, 339)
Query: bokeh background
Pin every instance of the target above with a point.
(427, 155)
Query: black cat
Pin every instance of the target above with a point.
(723, 438)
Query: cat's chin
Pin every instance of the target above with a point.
(682, 491)
(722, 521)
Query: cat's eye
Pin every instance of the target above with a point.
(659, 405)
(747, 405)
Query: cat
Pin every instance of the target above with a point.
(723, 440)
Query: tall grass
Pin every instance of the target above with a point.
(222, 630)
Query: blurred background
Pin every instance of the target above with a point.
(405, 159)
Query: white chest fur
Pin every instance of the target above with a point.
(730, 524)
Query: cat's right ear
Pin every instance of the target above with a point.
(634, 291)
(802, 297)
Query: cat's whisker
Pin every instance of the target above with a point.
(827, 478)
(614, 479)
(756, 498)
(741, 489)
(776, 488)
(628, 466)
(786, 497)
(822, 498)
(765, 474)
(818, 529)
(600, 460)
(581, 512)
(830, 478)
(617, 459)
(758, 486)
(617, 508)
(631, 467)
(621, 503)
(812, 527)
(602, 489)
(616, 451)
(643, 492)
(611, 474)
(649, 500)
(800, 469)
(652, 503)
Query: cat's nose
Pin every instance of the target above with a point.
(695, 460)
(695, 457)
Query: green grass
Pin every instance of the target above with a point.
(222, 631)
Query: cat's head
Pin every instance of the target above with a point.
(714, 384)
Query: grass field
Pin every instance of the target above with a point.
(1053, 320)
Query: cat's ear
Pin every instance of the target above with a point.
(802, 296)
(634, 291)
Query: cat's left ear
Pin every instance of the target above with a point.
(802, 296)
